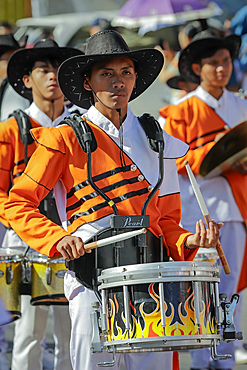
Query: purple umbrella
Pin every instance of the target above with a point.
(137, 13)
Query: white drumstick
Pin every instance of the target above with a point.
(114, 239)
(196, 190)
(107, 241)
(206, 215)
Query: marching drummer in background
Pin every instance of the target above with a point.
(200, 119)
(103, 81)
(33, 73)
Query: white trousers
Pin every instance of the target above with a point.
(80, 299)
(30, 331)
(232, 239)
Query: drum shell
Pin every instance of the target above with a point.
(10, 287)
(43, 271)
(187, 325)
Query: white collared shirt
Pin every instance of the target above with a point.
(34, 112)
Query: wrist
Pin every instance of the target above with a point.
(186, 246)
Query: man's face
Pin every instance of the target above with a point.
(112, 81)
(216, 70)
(43, 81)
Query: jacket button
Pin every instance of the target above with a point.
(133, 167)
(150, 188)
(140, 178)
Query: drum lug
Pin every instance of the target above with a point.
(9, 275)
(96, 345)
(26, 271)
(229, 331)
(48, 275)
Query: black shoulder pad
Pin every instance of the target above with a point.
(24, 125)
(82, 130)
(152, 130)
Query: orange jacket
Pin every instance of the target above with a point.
(11, 159)
(197, 124)
(63, 158)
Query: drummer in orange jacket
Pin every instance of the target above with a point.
(200, 119)
(124, 168)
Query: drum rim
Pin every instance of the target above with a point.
(11, 252)
(42, 258)
(175, 266)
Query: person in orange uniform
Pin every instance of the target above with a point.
(200, 119)
(125, 169)
(33, 73)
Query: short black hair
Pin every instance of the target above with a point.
(208, 53)
(52, 60)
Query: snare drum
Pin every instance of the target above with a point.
(47, 280)
(160, 306)
(10, 280)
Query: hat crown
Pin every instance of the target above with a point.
(106, 42)
(45, 43)
(206, 34)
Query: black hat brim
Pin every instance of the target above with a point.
(4, 49)
(21, 60)
(71, 73)
(173, 82)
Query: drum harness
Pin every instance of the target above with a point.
(87, 141)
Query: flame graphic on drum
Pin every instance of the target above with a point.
(181, 317)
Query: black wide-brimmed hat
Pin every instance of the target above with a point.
(173, 82)
(101, 46)
(7, 43)
(22, 60)
(202, 42)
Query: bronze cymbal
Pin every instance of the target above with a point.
(231, 148)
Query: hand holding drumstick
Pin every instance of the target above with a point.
(206, 215)
(206, 238)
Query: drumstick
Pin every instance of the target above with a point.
(206, 215)
(106, 241)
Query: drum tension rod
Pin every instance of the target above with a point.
(162, 309)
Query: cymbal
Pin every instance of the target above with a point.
(231, 148)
